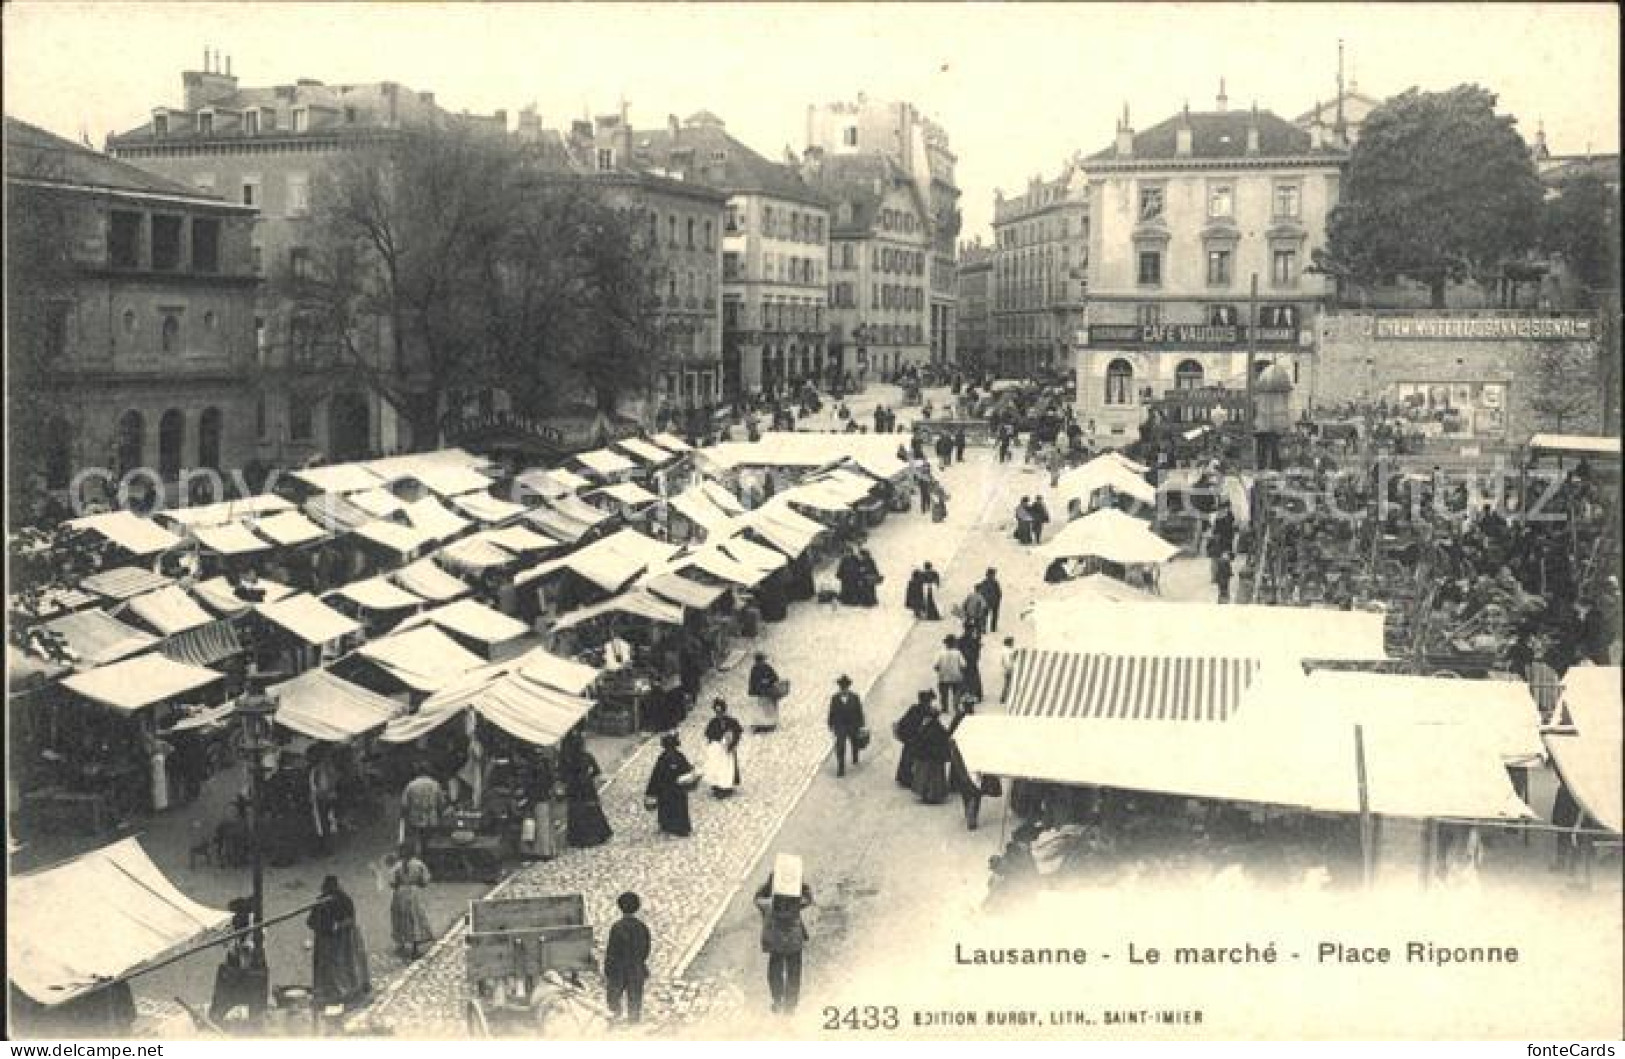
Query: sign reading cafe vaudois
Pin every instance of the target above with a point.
(1185, 336)
(1551, 328)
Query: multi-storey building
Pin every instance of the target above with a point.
(1040, 272)
(130, 319)
(1183, 217)
(880, 246)
(266, 147)
(775, 252)
(920, 147)
(975, 276)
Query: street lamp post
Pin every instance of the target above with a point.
(256, 708)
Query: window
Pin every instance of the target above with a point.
(166, 243)
(160, 124)
(606, 159)
(205, 245)
(1278, 316)
(350, 115)
(301, 417)
(270, 120)
(849, 136)
(1284, 268)
(732, 221)
(1188, 376)
(251, 193)
(169, 333)
(298, 194)
(301, 120)
(1150, 268)
(1218, 268)
(1119, 382)
(260, 340)
(730, 266)
(210, 321)
(1148, 315)
(1221, 315)
(251, 122)
(205, 124)
(171, 439)
(299, 263)
(691, 233)
(1287, 201)
(1150, 203)
(124, 239)
(208, 439)
(710, 236)
(258, 257)
(1221, 200)
(132, 441)
(671, 230)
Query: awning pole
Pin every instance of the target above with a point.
(1367, 853)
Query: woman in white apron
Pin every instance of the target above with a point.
(721, 762)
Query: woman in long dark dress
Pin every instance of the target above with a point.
(870, 579)
(771, 597)
(922, 593)
(339, 957)
(673, 777)
(907, 729)
(585, 824)
(849, 572)
(932, 751)
(800, 585)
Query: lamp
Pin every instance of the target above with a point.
(255, 708)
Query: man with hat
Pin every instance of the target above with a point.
(845, 722)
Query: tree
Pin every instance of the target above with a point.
(1581, 225)
(1439, 189)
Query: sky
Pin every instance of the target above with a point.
(1018, 87)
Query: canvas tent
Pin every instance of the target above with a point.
(220, 596)
(672, 443)
(424, 659)
(169, 611)
(124, 582)
(1586, 752)
(136, 535)
(1111, 535)
(75, 927)
(232, 538)
(1211, 629)
(433, 519)
(1132, 687)
(475, 555)
(551, 483)
(527, 711)
(95, 638)
(637, 603)
(308, 619)
(1104, 472)
(472, 620)
(649, 453)
(402, 540)
(261, 505)
(487, 509)
(318, 705)
(605, 462)
(138, 682)
(289, 528)
(424, 578)
(338, 478)
(378, 595)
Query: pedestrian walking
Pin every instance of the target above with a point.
(870, 579)
(339, 972)
(626, 959)
(939, 504)
(763, 686)
(1054, 462)
(722, 735)
(422, 802)
(974, 609)
(945, 449)
(1024, 521)
(922, 478)
(921, 597)
(960, 441)
(1006, 663)
(993, 594)
(949, 666)
(905, 729)
(1006, 437)
(408, 915)
(970, 647)
(1040, 515)
(781, 900)
(932, 749)
(667, 793)
(846, 723)
(585, 823)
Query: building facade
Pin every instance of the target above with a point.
(775, 253)
(880, 247)
(975, 275)
(1183, 217)
(266, 147)
(921, 149)
(1040, 272)
(130, 320)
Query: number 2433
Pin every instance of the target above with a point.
(870, 1017)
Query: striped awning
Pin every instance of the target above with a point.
(1127, 687)
(204, 645)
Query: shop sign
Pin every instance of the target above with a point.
(1185, 336)
(1538, 328)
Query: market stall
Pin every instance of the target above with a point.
(377, 603)
(88, 638)
(300, 632)
(417, 662)
(487, 632)
(124, 582)
(1585, 745)
(487, 509)
(167, 611)
(424, 578)
(130, 533)
(1211, 630)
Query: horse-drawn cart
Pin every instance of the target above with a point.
(524, 958)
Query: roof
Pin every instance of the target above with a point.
(706, 154)
(473, 620)
(1212, 629)
(123, 582)
(1111, 535)
(1575, 444)
(169, 610)
(141, 681)
(371, 103)
(220, 596)
(487, 509)
(605, 462)
(94, 638)
(319, 705)
(136, 535)
(289, 528)
(377, 594)
(32, 153)
(1588, 759)
(646, 451)
(861, 181)
(309, 619)
(122, 913)
(426, 579)
(204, 645)
(1127, 687)
(233, 538)
(1216, 134)
(424, 658)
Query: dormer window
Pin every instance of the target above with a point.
(301, 120)
(205, 123)
(349, 115)
(160, 124)
(269, 121)
(606, 159)
(251, 122)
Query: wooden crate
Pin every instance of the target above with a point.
(521, 937)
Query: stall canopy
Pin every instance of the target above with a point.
(610, 563)
(289, 528)
(402, 540)
(714, 561)
(338, 514)
(377, 594)
(136, 535)
(319, 705)
(339, 478)
(629, 493)
(233, 538)
(1103, 472)
(605, 462)
(1111, 535)
(819, 496)
(557, 525)
(1100, 587)
(424, 578)
(124, 582)
(475, 555)
(694, 505)
(884, 466)
(1133, 466)
(645, 451)
(218, 514)
(1587, 755)
(308, 619)
(44, 603)
(138, 682)
(676, 588)
(720, 497)
(517, 539)
(424, 658)
(551, 483)
(574, 507)
(474, 620)
(379, 503)
(206, 645)
(637, 603)
(1574, 445)
(93, 638)
(75, 927)
(1127, 687)
(169, 611)
(1421, 771)
(789, 531)
(672, 443)
(1211, 629)
(487, 509)
(448, 480)
(220, 595)
(541, 666)
(430, 517)
(527, 711)
(753, 555)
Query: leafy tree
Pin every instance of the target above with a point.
(1581, 225)
(1439, 189)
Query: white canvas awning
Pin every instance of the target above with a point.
(789, 531)
(233, 538)
(753, 555)
(719, 496)
(124, 582)
(474, 620)
(320, 706)
(136, 535)
(1211, 629)
(336, 513)
(672, 443)
(339, 478)
(75, 927)
(289, 528)
(610, 563)
(93, 638)
(636, 603)
(527, 711)
(1128, 687)
(1586, 752)
(402, 540)
(1103, 472)
(1111, 535)
(1575, 445)
(818, 497)
(308, 619)
(487, 509)
(574, 507)
(424, 578)
(884, 466)
(557, 525)
(134, 683)
(696, 506)
(220, 596)
(432, 518)
(605, 462)
(424, 658)
(551, 483)
(218, 514)
(517, 539)
(541, 666)
(379, 503)
(628, 493)
(714, 561)
(448, 480)
(676, 588)
(169, 611)
(645, 451)
(377, 594)
(474, 555)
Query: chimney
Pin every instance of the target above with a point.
(1252, 131)
(1541, 152)
(530, 123)
(391, 91)
(199, 88)
(1182, 134)
(1317, 130)
(427, 98)
(673, 126)
(1223, 100)
(1125, 136)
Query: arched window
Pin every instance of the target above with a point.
(132, 441)
(58, 453)
(170, 334)
(1119, 382)
(208, 439)
(171, 438)
(1188, 376)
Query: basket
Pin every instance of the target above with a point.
(781, 690)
